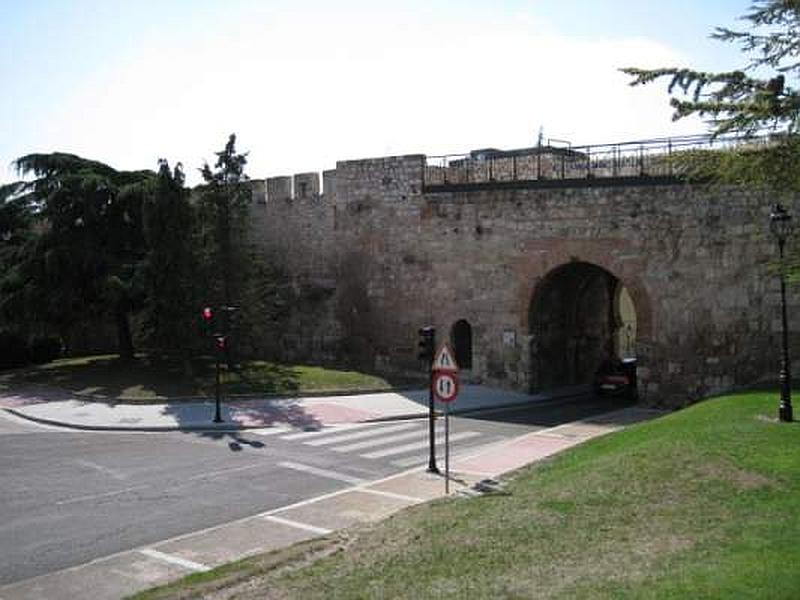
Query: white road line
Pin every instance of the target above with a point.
(175, 560)
(113, 473)
(226, 471)
(392, 495)
(322, 472)
(298, 525)
(413, 461)
(325, 430)
(379, 442)
(417, 445)
(103, 495)
(360, 434)
(270, 430)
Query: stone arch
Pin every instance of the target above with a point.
(615, 256)
(576, 314)
(461, 339)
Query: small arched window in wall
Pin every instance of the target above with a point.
(461, 338)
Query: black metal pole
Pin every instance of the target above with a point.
(218, 411)
(447, 449)
(785, 409)
(432, 468)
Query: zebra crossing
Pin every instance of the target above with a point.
(404, 443)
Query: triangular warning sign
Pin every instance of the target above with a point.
(444, 360)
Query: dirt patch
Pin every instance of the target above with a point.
(741, 479)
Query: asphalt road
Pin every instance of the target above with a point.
(69, 497)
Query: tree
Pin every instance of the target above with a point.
(757, 97)
(170, 263)
(16, 233)
(233, 269)
(762, 97)
(225, 197)
(85, 259)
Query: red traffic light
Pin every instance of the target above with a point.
(208, 314)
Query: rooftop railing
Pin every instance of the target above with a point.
(561, 161)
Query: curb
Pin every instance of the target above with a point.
(235, 397)
(120, 428)
(227, 426)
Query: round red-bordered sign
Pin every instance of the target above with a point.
(445, 386)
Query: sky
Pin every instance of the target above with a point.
(304, 83)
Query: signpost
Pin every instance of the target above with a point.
(444, 384)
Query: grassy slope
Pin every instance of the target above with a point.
(146, 379)
(702, 503)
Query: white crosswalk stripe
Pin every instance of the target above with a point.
(371, 432)
(382, 441)
(404, 443)
(419, 445)
(300, 435)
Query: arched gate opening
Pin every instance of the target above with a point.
(580, 316)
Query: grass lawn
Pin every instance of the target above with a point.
(703, 503)
(147, 379)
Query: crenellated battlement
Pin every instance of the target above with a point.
(391, 177)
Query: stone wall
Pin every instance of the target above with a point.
(381, 257)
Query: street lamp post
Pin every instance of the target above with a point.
(780, 224)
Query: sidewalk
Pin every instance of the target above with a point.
(57, 407)
(121, 574)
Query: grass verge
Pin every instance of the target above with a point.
(152, 378)
(703, 503)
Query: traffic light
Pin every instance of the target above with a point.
(427, 344)
(220, 342)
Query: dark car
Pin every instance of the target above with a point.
(616, 378)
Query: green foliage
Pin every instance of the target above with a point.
(170, 263)
(773, 164)
(232, 270)
(743, 100)
(80, 240)
(84, 246)
(224, 199)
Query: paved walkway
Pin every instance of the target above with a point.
(134, 570)
(57, 407)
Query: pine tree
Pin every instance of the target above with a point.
(756, 97)
(170, 287)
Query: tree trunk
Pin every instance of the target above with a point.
(124, 338)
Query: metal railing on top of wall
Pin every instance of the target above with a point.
(641, 158)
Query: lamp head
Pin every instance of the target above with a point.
(780, 223)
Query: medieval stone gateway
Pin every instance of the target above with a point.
(543, 260)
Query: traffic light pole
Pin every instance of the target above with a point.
(432, 468)
(217, 391)
(427, 347)
(220, 346)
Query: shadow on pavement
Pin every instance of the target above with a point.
(587, 407)
(261, 414)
